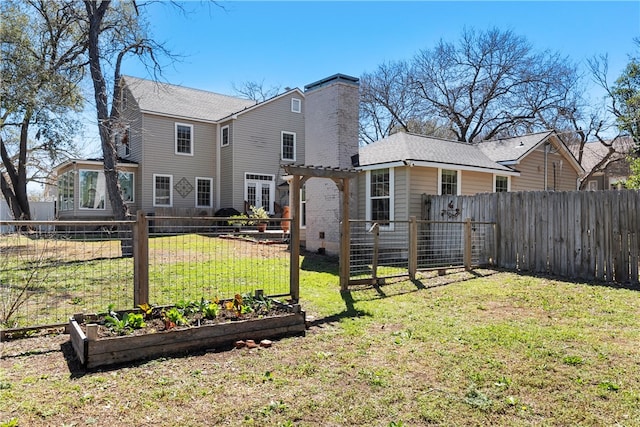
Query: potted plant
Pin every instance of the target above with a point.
(260, 217)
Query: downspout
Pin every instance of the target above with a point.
(217, 174)
(546, 187)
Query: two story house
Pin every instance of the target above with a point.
(192, 151)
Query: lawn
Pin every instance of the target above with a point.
(481, 348)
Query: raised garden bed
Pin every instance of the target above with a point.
(93, 349)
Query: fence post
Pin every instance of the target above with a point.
(467, 244)
(140, 260)
(413, 247)
(375, 229)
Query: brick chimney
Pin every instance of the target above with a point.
(331, 139)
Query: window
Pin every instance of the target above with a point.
(204, 187)
(448, 182)
(379, 196)
(92, 189)
(162, 194)
(501, 184)
(592, 185)
(184, 139)
(288, 146)
(65, 191)
(296, 105)
(224, 136)
(126, 186)
(303, 206)
(260, 190)
(123, 139)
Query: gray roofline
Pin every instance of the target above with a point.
(332, 79)
(259, 104)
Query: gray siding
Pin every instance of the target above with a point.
(226, 168)
(256, 145)
(159, 157)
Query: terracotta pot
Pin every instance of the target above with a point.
(285, 225)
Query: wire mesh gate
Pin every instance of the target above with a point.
(401, 248)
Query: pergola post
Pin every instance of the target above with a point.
(341, 177)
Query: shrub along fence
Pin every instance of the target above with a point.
(50, 270)
(590, 235)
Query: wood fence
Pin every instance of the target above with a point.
(590, 235)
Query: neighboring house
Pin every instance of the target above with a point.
(614, 172)
(191, 151)
(399, 169)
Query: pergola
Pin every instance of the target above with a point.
(299, 175)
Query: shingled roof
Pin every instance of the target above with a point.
(512, 149)
(179, 101)
(419, 148)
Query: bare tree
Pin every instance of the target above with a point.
(115, 30)
(255, 91)
(489, 83)
(41, 69)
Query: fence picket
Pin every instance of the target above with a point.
(589, 235)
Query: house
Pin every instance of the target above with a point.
(613, 173)
(188, 151)
(399, 169)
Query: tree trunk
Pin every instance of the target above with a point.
(95, 13)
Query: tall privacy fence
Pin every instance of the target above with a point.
(403, 248)
(50, 270)
(590, 235)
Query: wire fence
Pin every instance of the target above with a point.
(52, 270)
(385, 250)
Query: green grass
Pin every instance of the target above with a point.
(456, 350)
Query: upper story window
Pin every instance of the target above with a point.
(380, 196)
(296, 105)
(449, 182)
(224, 136)
(502, 184)
(288, 150)
(123, 139)
(184, 139)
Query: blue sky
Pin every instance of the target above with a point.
(294, 43)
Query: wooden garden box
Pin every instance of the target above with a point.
(94, 352)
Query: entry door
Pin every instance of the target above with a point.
(259, 191)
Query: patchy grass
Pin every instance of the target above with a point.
(463, 349)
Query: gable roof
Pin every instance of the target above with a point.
(593, 152)
(510, 151)
(427, 151)
(514, 149)
(179, 101)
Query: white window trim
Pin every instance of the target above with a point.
(303, 202)
(175, 138)
(296, 105)
(389, 227)
(495, 175)
(200, 178)
(282, 146)
(133, 186)
(589, 185)
(82, 208)
(458, 181)
(159, 175)
(272, 187)
(222, 129)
